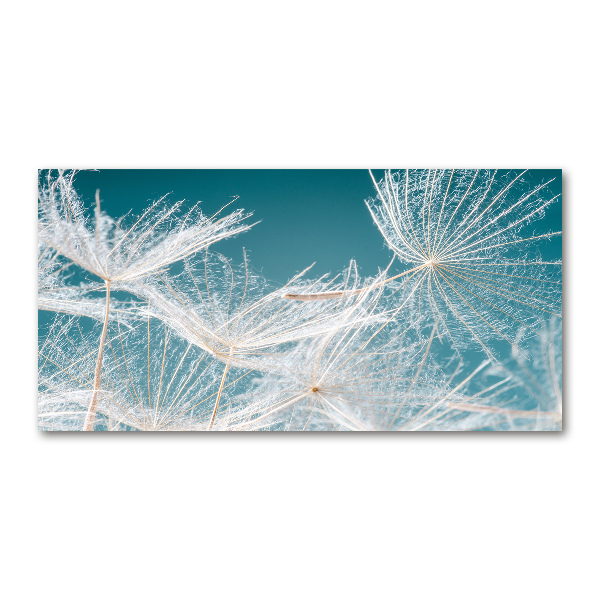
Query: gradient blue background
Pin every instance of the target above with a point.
(306, 216)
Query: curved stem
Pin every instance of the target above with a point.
(214, 413)
(91, 414)
(343, 293)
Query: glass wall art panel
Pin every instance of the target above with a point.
(300, 300)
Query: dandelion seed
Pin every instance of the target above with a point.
(473, 272)
(151, 381)
(120, 254)
(56, 295)
(341, 379)
(230, 313)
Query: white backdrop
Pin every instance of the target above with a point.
(311, 84)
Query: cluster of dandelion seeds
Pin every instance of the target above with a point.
(155, 331)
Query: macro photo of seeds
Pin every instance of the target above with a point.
(300, 300)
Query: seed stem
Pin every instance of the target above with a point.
(91, 414)
(343, 293)
(214, 413)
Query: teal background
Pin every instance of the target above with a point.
(306, 215)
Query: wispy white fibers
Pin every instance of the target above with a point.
(212, 345)
(151, 380)
(370, 379)
(233, 313)
(533, 401)
(158, 382)
(120, 252)
(66, 365)
(459, 232)
(129, 248)
(56, 295)
(338, 380)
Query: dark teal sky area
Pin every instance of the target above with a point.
(308, 215)
(305, 216)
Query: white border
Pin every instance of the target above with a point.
(316, 84)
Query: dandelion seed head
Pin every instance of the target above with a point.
(473, 271)
(237, 316)
(125, 250)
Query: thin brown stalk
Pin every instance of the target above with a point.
(91, 414)
(343, 293)
(214, 413)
